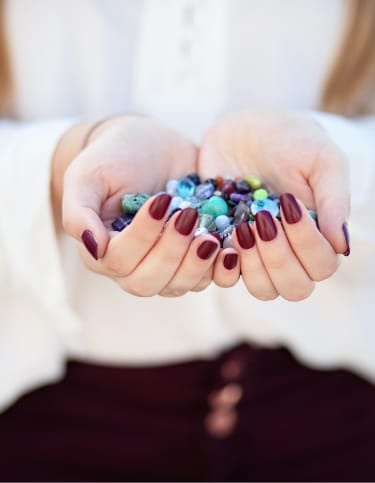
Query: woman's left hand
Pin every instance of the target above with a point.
(290, 154)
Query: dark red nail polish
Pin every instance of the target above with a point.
(230, 260)
(291, 209)
(265, 225)
(245, 236)
(206, 249)
(159, 206)
(347, 239)
(186, 220)
(90, 243)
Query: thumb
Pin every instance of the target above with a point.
(81, 206)
(330, 185)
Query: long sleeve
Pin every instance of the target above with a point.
(36, 325)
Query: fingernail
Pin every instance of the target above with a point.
(291, 209)
(206, 249)
(230, 261)
(245, 236)
(185, 221)
(347, 239)
(159, 206)
(265, 225)
(90, 243)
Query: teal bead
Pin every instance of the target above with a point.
(215, 206)
(185, 188)
(260, 194)
(131, 203)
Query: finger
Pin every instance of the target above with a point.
(227, 268)
(314, 252)
(287, 274)
(159, 266)
(81, 205)
(127, 248)
(330, 183)
(194, 266)
(253, 271)
(205, 280)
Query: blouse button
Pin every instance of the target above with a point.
(232, 369)
(221, 422)
(227, 397)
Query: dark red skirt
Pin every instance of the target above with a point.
(250, 415)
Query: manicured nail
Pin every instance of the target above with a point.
(90, 243)
(230, 260)
(206, 249)
(265, 225)
(291, 209)
(347, 239)
(159, 206)
(245, 236)
(185, 221)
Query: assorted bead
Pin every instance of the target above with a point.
(222, 204)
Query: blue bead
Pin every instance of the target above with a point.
(185, 188)
(267, 205)
(172, 187)
(221, 222)
(175, 203)
(204, 190)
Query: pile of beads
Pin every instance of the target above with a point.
(222, 204)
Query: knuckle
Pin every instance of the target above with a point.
(173, 292)
(138, 288)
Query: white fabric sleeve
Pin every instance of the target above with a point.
(356, 138)
(36, 324)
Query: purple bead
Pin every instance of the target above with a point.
(204, 190)
(228, 187)
(122, 221)
(242, 186)
(237, 197)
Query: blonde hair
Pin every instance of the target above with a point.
(350, 85)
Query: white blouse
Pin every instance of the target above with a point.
(187, 62)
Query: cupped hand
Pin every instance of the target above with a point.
(155, 254)
(292, 155)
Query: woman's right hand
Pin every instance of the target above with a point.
(134, 154)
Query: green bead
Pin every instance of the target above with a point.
(260, 194)
(131, 203)
(253, 181)
(215, 206)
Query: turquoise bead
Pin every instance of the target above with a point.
(215, 206)
(131, 203)
(186, 188)
(260, 194)
(265, 205)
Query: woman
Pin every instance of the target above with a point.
(198, 387)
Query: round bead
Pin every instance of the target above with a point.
(253, 181)
(131, 203)
(175, 203)
(184, 204)
(185, 188)
(265, 205)
(215, 206)
(260, 194)
(204, 190)
(242, 186)
(221, 222)
(172, 187)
